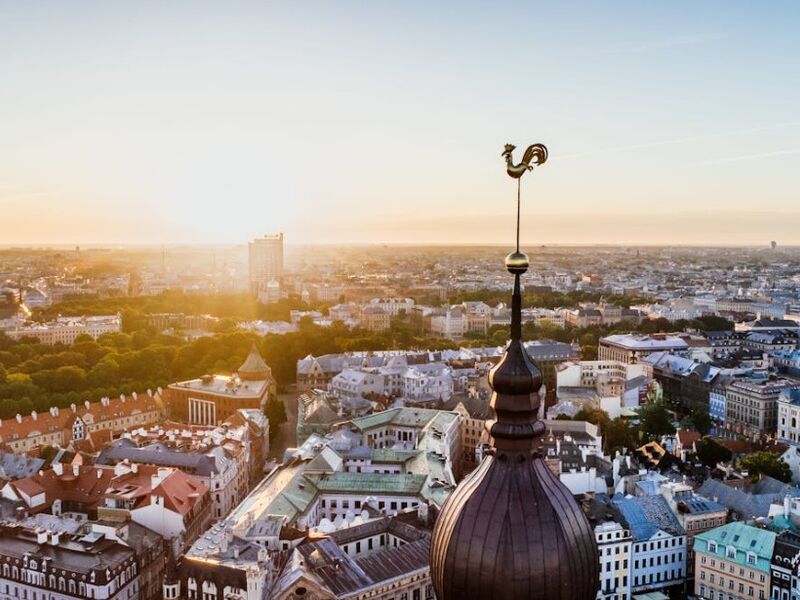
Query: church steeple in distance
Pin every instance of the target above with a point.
(511, 530)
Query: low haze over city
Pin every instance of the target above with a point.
(349, 301)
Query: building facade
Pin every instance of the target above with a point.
(65, 330)
(55, 566)
(62, 427)
(632, 348)
(752, 405)
(733, 561)
(785, 580)
(789, 416)
(265, 263)
(211, 399)
(659, 543)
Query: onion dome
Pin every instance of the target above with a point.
(511, 529)
(254, 368)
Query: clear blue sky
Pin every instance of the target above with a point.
(383, 121)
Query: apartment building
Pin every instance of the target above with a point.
(752, 405)
(62, 427)
(632, 348)
(733, 561)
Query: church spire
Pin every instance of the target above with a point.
(511, 529)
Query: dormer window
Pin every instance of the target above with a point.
(751, 558)
(730, 552)
(712, 546)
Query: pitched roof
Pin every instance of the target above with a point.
(748, 506)
(180, 491)
(13, 466)
(688, 438)
(646, 515)
(78, 484)
(743, 539)
(254, 368)
(56, 420)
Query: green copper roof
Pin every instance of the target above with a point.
(387, 455)
(736, 541)
(369, 483)
(404, 417)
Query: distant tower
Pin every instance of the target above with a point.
(266, 263)
(773, 244)
(511, 530)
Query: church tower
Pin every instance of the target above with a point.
(511, 530)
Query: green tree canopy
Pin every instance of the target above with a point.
(655, 419)
(765, 463)
(709, 452)
(697, 420)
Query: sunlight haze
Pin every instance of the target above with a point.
(203, 122)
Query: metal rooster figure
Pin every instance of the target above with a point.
(537, 151)
(535, 155)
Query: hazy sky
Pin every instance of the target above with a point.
(160, 122)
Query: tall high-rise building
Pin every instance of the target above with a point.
(266, 264)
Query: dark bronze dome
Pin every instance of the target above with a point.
(511, 530)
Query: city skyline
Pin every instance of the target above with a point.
(380, 123)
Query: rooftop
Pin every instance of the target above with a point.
(736, 541)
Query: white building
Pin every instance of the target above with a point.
(452, 324)
(615, 546)
(393, 306)
(789, 416)
(632, 348)
(357, 383)
(659, 543)
(38, 564)
(424, 382)
(65, 330)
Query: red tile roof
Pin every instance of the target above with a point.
(61, 420)
(688, 438)
(180, 491)
(85, 488)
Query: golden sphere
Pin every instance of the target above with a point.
(517, 263)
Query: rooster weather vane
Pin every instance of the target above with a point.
(535, 155)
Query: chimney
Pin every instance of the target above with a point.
(134, 468)
(41, 536)
(72, 407)
(55, 538)
(122, 397)
(34, 415)
(76, 470)
(134, 395)
(87, 404)
(19, 418)
(58, 468)
(157, 478)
